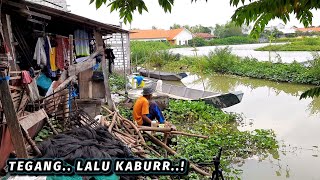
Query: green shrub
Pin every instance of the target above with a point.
(116, 82)
(233, 40)
(221, 60)
(198, 42)
(141, 51)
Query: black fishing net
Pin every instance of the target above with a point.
(84, 143)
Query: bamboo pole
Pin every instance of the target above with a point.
(136, 129)
(145, 128)
(157, 141)
(112, 122)
(188, 134)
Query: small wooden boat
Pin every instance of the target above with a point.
(162, 75)
(216, 99)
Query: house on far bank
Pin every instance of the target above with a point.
(309, 29)
(287, 31)
(206, 36)
(174, 36)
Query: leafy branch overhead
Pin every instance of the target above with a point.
(259, 12)
(262, 11)
(127, 7)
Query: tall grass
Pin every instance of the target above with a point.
(156, 54)
(233, 41)
(302, 44)
(142, 51)
(224, 62)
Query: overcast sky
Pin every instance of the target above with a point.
(184, 12)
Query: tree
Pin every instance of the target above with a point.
(262, 11)
(175, 26)
(259, 12)
(198, 42)
(228, 30)
(154, 27)
(200, 29)
(248, 11)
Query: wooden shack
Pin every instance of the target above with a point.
(61, 48)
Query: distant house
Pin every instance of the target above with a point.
(309, 29)
(205, 36)
(287, 31)
(174, 36)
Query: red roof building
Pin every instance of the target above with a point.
(174, 36)
(206, 36)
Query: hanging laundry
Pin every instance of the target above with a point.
(60, 53)
(47, 48)
(110, 56)
(66, 53)
(81, 43)
(39, 52)
(31, 72)
(53, 59)
(26, 78)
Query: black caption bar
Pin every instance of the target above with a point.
(97, 167)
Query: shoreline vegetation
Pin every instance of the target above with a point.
(222, 61)
(294, 44)
(221, 127)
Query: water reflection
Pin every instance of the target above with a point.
(223, 84)
(272, 105)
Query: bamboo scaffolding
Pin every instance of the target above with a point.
(131, 135)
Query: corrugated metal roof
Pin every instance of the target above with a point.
(19, 5)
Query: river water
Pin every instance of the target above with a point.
(247, 50)
(272, 105)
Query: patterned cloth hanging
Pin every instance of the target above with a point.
(82, 43)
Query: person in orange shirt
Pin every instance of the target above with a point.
(145, 111)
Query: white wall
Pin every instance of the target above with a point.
(57, 4)
(163, 39)
(183, 37)
(116, 44)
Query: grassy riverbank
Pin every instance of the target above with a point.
(295, 44)
(199, 118)
(223, 62)
(233, 40)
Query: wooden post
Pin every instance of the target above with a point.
(8, 35)
(99, 44)
(12, 119)
(71, 49)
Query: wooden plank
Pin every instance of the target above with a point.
(98, 90)
(84, 89)
(87, 64)
(32, 13)
(28, 121)
(84, 84)
(12, 119)
(100, 44)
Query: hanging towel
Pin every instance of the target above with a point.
(26, 78)
(39, 52)
(81, 43)
(53, 59)
(60, 54)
